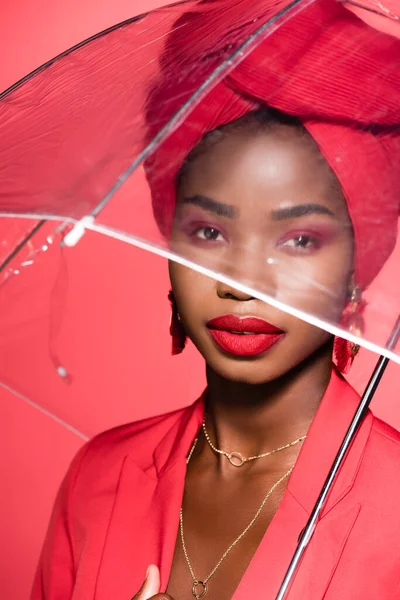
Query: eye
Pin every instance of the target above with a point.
(301, 241)
(209, 234)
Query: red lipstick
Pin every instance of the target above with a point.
(244, 336)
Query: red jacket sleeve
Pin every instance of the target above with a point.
(55, 576)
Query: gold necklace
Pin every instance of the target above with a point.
(199, 587)
(236, 458)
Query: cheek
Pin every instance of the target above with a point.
(192, 290)
(318, 285)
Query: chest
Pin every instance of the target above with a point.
(222, 524)
(354, 553)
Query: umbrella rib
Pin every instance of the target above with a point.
(45, 412)
(65, 53)
(197, 95)
(19, 247)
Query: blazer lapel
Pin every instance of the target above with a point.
(322, 556)
(268, 567)
(144, 519)
(129, 536)
(324, 438)
(266, 570)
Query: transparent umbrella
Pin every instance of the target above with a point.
(111, 124)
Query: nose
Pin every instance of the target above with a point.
(249, 266)
(228, 292)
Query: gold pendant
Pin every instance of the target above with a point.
(199, 589)
(236, 459)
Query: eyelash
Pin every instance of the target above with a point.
(210, 228)
(313, 241)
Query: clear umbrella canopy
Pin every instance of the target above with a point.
(115, 136)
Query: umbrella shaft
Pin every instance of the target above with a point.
(351, 432)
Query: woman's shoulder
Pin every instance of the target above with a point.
(138, 439)
(95, 472)
(98, 464)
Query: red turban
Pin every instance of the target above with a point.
(324, 66)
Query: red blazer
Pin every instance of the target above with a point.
(118, 511)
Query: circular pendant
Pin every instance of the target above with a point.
(199, 589)
(236, 459)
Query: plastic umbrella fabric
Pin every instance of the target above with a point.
(94, 128)
(76, 133)
(383, 16)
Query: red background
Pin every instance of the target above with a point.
(111, 314)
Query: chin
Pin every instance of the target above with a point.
(242, 370)
(254, 370)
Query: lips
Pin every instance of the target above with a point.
(244, 336)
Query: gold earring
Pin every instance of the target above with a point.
(353, 318)
(344, 351)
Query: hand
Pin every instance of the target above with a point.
(150, 589)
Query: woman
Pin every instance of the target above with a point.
(268, 181)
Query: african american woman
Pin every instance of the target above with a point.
(269, 178)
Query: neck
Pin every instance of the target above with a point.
(256, 418)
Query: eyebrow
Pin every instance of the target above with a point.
(301, 210)
(220, 209)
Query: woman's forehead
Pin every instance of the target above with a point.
(276, 167)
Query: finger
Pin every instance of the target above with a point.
(151, 585)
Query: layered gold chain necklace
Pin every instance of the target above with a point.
(236, 459)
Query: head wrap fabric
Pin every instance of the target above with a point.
(324, 66)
